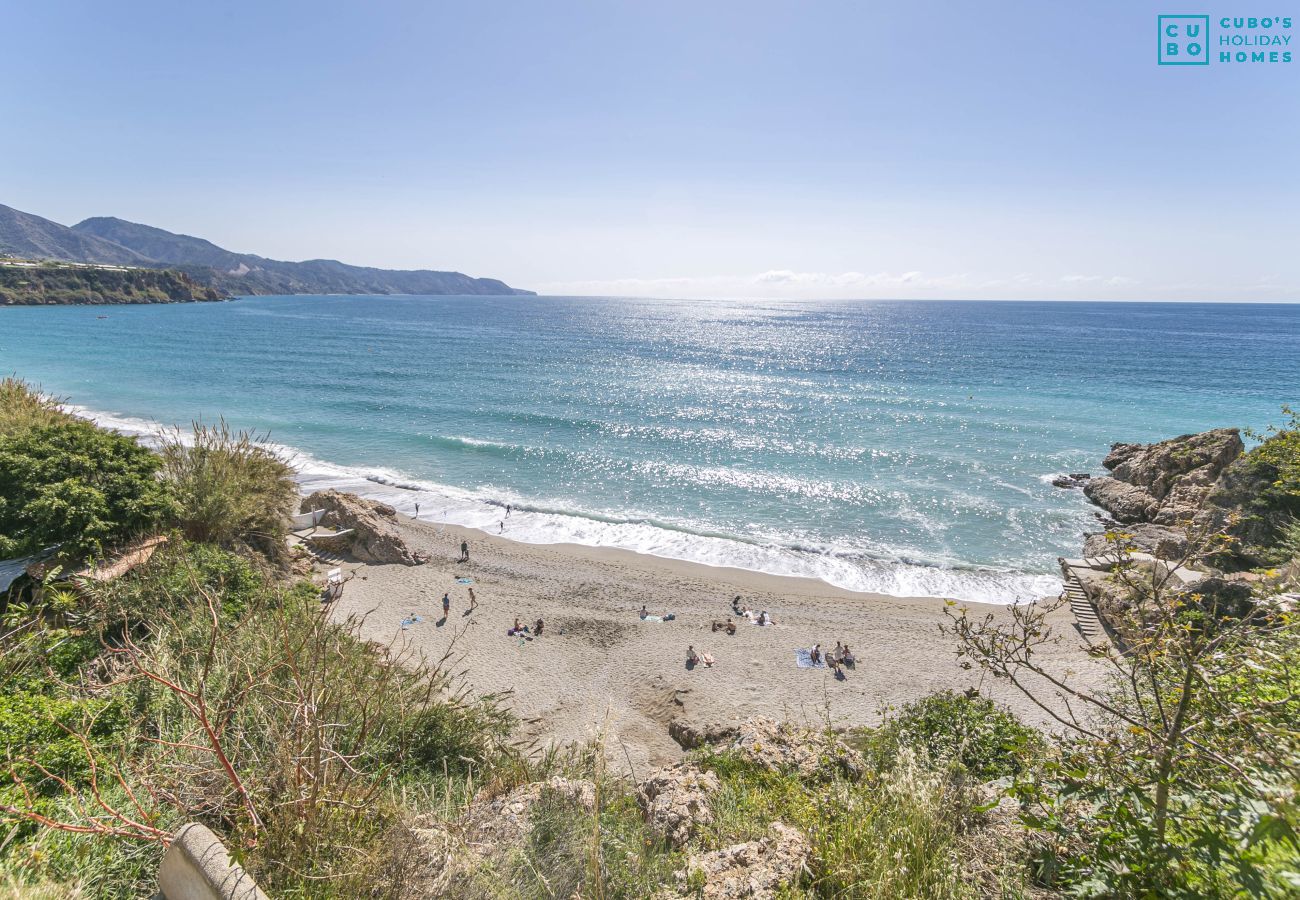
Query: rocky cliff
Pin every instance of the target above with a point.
(55, 284)
(1165, 483)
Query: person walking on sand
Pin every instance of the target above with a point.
(446, 605)
(417, 510)
(473, 601)
(464, 551)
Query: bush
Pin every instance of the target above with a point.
(70, 483)
(970, 731)
(229, 488)
(23, 406)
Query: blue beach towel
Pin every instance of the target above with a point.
(411, 620)
(464, 580)
(803, 659)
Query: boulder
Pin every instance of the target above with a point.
(1126, 502)
(758, 870)
(676, 800)
(447, 859)
(496, 826)
(1071, 480)
(1163, 541)
(691, 737)
(780, 747)
(374, 535)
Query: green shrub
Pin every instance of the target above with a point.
(32, 731)
(72, 484)
(230, 489)
(971, 731)
(898, 832)
(23, 406)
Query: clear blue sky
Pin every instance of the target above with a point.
(1018, 149)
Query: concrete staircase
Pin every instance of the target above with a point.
(1084, 612)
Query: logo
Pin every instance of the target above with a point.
(1184, 40)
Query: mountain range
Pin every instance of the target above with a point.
(108, 240)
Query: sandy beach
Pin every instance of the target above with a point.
(599, 666)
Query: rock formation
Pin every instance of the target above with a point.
(780, 747)
(676, 800)
(757, 870)
(374, 537)
(1164, 483)
(1164, 541)
(776, 746)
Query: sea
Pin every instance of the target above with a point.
(902, 447)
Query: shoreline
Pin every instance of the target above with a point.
(969, 583)
(600, 670)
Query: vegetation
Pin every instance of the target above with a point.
(72, 484)
(229, 487)
(208, 684)
(52, 283)
(1179, 778)
(1262, 493)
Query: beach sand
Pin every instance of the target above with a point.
(599, 668)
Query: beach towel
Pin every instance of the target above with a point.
(803, 659)
(411, 620)
(652, 619)
(464, 580)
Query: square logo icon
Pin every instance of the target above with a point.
(1184, 40)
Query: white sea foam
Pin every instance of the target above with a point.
(536, 522)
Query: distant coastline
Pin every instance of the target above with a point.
(106, 240)
(48, 283)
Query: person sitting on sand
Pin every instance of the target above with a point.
(764, 618)
(691, 656)
(519, 628)
(644, 612)
(815, 654)
(731, 626)
(846, 657)
(736, 606)
(537, 628)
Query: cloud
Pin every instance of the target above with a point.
(787, 276)
(1106, 280)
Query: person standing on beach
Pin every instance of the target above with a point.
(446, 605)
(464, 551)
(417, 510)
(473, 601)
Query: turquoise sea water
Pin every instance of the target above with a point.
(902, 447)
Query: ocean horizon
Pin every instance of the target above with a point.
(898, 447)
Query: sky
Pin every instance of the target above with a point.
(1019, 150)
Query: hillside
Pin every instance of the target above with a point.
(32, 237)
(118, 242)
(247, 273)
(55, 284)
